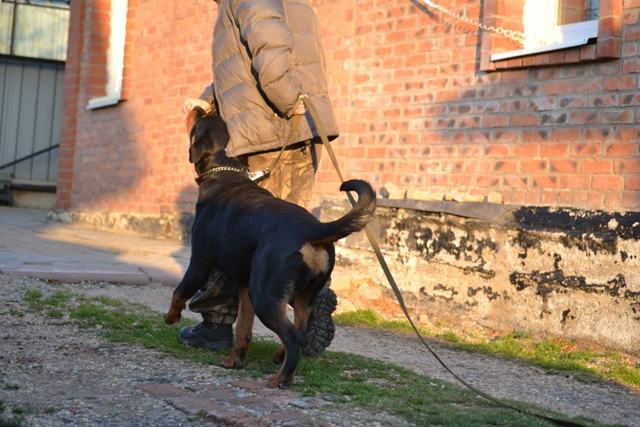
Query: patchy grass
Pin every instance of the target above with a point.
(348, 379)
(20, 411)
(53, 305)
(34, 299)
(563, 355)
(11, 421)
(14, 419)
(550, 353)
(370, 319)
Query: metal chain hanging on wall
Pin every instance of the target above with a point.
(510, 34)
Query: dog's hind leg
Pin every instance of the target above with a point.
(273, 315)
(273, 277)
(244, 331)
(301, 313)
(291, 340)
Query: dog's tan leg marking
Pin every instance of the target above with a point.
(278, 356)
(301, 313)
(277, 379)
(178, 303)
(244, 331)
(300, 323)
(316, 258)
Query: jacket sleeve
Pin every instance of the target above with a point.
(268, 36)
(209, 96)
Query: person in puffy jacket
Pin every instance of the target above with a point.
(267, 55)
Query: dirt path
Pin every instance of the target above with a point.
(74, 377)
(59, 375)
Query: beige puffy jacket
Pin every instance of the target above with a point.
(266, 53)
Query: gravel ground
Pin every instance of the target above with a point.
(60, 375)
(68, 376)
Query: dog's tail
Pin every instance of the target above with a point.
(354, 220)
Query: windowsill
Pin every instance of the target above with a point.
(540, 49)
(103, 101)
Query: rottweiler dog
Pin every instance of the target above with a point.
(276, 251)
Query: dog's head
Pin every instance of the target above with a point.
(208, 135)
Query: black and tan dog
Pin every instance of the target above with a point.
(278, 252)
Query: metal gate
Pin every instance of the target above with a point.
(30, 118)
(33, 45)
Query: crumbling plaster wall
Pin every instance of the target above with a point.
(563, 272)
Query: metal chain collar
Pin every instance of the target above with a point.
(514, 35)
(208, 172)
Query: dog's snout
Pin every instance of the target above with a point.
(199, 110)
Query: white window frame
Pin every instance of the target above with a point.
(115, 57)
(543, 35)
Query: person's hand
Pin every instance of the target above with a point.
(190, 103)
(301, 108)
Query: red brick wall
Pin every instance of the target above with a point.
(422, 115)
(414, 108)
(133, 157)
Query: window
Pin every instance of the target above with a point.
(555, 24)
(34, 29)
(550, 32)
(550, 22)
(115, 56)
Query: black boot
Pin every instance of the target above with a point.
(214, 336)
(320, 327)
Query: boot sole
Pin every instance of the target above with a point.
(320, 327)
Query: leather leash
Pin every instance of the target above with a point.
(259, 175)
(387, 272)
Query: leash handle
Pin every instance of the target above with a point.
(387, 272)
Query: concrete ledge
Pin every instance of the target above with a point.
(79, 275)
(557, 271)
(478, 210)
(169, 226)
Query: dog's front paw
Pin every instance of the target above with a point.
(236, 360)
(233, 362)
(280, 382)
(171, 318)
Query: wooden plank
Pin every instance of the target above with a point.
(6, 17)
(27, 108)
(3, 76)
(11, 113)
(61, 34)
(41, 32)
(43, 123)
(57, 125)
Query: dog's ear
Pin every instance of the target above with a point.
(198, 146)
(197, 152)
